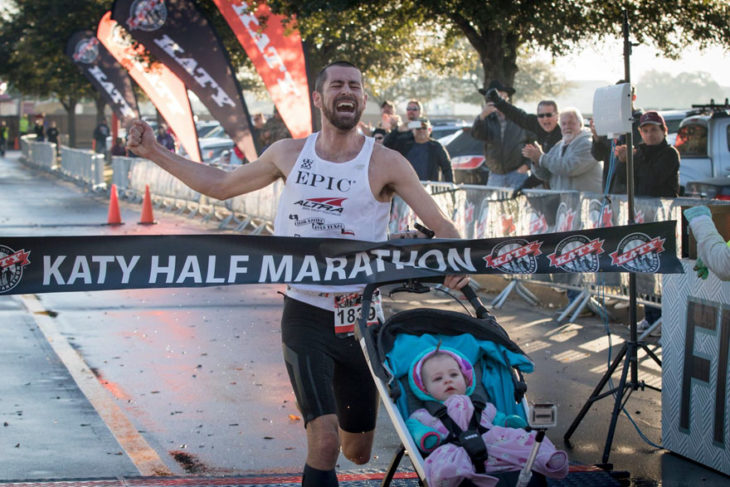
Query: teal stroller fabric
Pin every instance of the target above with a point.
(492, 362)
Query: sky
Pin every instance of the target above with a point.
(603, 64)
(606, 62)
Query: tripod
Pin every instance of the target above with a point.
(629, 381)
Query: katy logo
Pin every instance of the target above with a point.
(482, 220)
(87, 50)
(464, 216)
(600, 215)
(577, 253)
(639, 216)
(508, 225)
(307, 163)
(565, 218)
(147, 15)
(538, 223)
(329, 205)
(11, 267)
(638, 252)
(515, 256)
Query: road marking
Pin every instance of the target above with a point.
(143, 456)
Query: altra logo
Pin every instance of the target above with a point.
(515, 256)
(11, 267)
(147, 15)
(638, 252)
(329, 205)
(577, 254)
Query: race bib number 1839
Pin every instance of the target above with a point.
(348, 309)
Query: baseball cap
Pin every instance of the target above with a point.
(652, 118)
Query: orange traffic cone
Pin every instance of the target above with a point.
(115, 217)
(16, 145)
(147, 218)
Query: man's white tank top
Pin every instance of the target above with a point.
(324, 199)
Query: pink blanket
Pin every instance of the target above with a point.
(508, 449)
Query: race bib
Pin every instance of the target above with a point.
(348, 309)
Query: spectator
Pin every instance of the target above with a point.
(569, 165)
(601, 149)
(503, 142)
(52, 134)
(656, 174)
(39, 130)
(712, 250)
(544, 125)
(275, 129)
(24, 124)
(259, 120)
(426, 155)
(656, 163)
(404, 135)
(388, 119)
(164, 137)
(101, 132)
(3, 137)
(379, 135)
(119, 149)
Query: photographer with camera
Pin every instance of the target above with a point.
(503, 142)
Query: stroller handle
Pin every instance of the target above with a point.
(479, 308)
(367, 296)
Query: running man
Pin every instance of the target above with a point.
(334, 389)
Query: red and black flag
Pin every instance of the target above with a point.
(181, 38)
(274, 45)
(105, 73)
(165, 90)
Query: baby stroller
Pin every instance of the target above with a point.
(498, 364)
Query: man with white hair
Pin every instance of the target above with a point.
(568, 165)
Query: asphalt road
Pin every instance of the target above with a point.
(191, 381)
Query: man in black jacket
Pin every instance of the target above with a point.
(426, 155)
(503, 142)
(544, 125)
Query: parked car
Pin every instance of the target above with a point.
(467, 158)
(713, 188)
(673, 119)
(443, 127)
(703, 142)
(207, 129)
(211, 148)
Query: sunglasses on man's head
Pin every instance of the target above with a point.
(545, 115)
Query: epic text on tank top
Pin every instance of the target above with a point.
(323, 199)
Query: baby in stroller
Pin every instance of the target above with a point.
(444, 379)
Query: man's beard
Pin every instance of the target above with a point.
(342, 124)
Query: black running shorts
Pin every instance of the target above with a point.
(328, 373)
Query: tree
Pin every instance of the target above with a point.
(498, 29)
(32, 50)
(663, 90)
